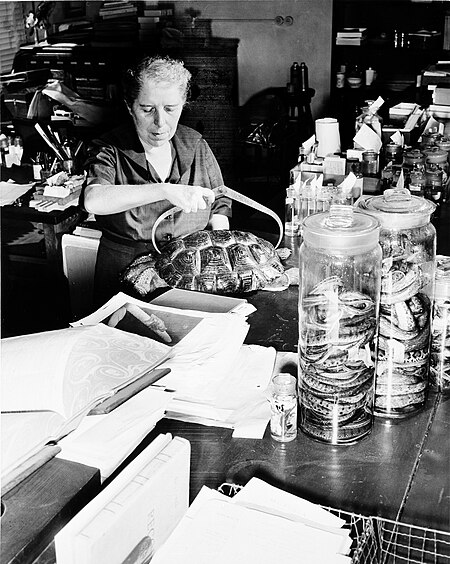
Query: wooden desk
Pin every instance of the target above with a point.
(54, 223)
(399, 471)
(44, 502)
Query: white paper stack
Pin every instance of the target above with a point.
(260, 525)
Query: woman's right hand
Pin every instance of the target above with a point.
(189, 198)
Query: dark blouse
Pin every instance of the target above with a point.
(119, 158)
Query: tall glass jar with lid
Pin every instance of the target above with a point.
(339, 260)
(440, 339)
(408, 241)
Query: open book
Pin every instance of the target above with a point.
(51, 380)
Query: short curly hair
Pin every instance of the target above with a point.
(159, 70)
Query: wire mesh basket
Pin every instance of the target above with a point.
(382, 541)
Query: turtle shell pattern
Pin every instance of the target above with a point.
(220, 261)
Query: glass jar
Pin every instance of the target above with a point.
(339, 288)
(370, 164)
(439, 157)
(433, 182)
(417, 181)
(440, 339)
(370, 117)
(413, 157)
(408, 241)
(393, 152)
(444, 145)
(387, 176)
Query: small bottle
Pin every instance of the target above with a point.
(295, 76)
(304, 81)
(340, 79)
(417, 180)
(370, 163)
(291, 213)
(302, 154)
(387, 176)
(283, 403)
(433, 187)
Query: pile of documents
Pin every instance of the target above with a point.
(260, 524)
(214, 378)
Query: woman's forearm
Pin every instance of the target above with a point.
(105, 199)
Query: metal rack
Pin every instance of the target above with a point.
(383, 541)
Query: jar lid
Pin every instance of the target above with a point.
(435, 155)
(415, 154)
(398, 209)
(342, 229)
(284, 384)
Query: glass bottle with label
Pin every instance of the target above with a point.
(339, 261)
(408, 241)
(291, 223)
(369, 116)
(284, 407)
(417, 180)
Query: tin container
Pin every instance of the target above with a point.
(408, 241)
(440, 340)
(339, 261)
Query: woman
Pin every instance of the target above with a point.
(141, 169)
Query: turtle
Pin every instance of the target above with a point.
(218, 261)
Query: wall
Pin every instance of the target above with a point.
(266, 50)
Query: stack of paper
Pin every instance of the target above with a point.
(260, 524)
(214, 378)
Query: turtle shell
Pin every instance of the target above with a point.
(221, 261)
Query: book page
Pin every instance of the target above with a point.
(24, 434)
(69, 369)
(104, 441)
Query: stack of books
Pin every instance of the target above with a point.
(152, 18)
(116, 25)
(112, 9)
(351, 36)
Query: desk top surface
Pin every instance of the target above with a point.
(400, 471)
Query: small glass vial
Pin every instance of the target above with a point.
(283, 419)
(291, 213)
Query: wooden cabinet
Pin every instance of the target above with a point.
(214, 109)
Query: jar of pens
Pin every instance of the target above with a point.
(65, 154)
